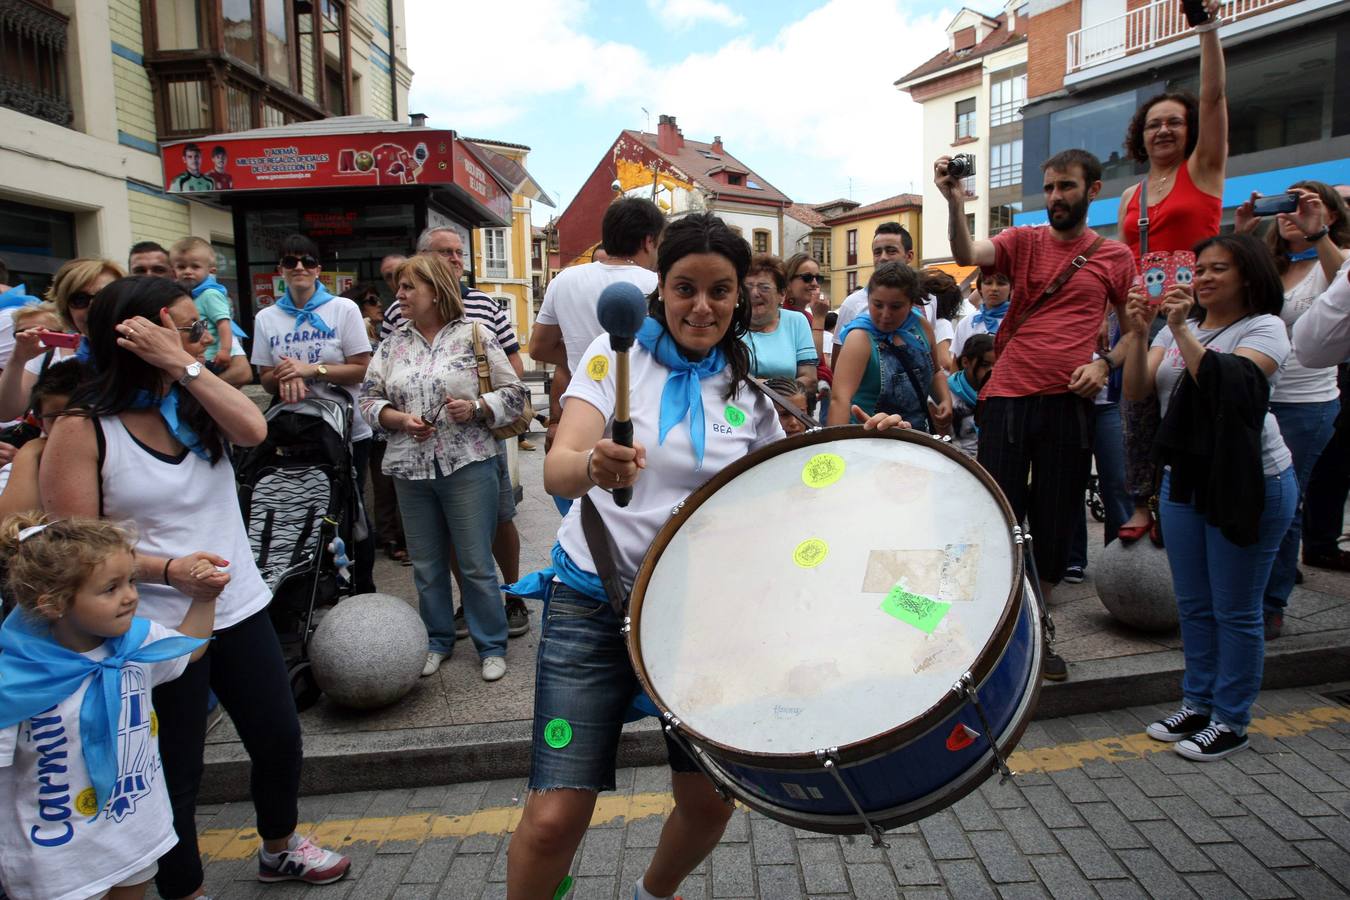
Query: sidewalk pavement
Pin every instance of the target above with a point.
(1097, 810)
(455, 727)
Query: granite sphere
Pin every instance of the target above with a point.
(1135, 583)
(369, 651)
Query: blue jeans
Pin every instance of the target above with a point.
(1306, 429)
(459, 509)
(1108, 447)
(1218, 586)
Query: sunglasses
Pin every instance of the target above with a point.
(431, 417)
(307, 261)
(195, 332)
(79, 300)
(809, 277)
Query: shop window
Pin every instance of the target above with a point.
(852, 240)
(37, 241)
(241, 41)
(1001, 217)
(177, 25)
(494, 253)
(1007, 96)
(852, 281)
(965, 118)
(1098, 127)
(761, 241)
(277, 42)
(227, 269)
(1005, 164)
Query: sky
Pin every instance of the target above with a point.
(801, 91)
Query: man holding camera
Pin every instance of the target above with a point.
(1035, 424)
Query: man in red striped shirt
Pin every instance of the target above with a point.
(1036, 422)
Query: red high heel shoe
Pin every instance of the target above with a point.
(1128, 534)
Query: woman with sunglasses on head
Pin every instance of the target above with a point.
(309, 341)
(72, 290)
(779, 339)
(143, 441)
(422, 389)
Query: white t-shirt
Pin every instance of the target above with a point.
(965, 330)
(1298, 383)
(275, 338)
(6, 335)
(670, 475)
(571, 299)
(855, 304)
(1264, 334)
(57, 845)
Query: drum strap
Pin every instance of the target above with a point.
(603, 554)
(782, 402)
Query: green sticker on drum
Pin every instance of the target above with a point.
(924, 613)
(823, 470)
(735, 418)
(558, 734)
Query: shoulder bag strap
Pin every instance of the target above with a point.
(480, 358)
(1050, 290)
(783, 403)
(603, 553)
(1143, 218)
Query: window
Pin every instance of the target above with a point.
(277, 42)
(189, 107)
(852, 246)
(761, 241)
(734, 179)
(240, 41)
(1007, 96)
(852, 281)
(1001, 217)
(176, 25)
(818, 251)
(965, 118)
(1005, 164)
(970, 223)
(1097, 127)
(494, 253)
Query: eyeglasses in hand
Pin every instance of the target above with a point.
(431, 417)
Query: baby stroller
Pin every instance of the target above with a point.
(298, 493)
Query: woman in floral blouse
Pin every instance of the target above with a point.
(422, 389)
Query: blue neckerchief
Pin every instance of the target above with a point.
(36, 673)
(308, 315)
(17, 296)
(1310, 253)
(84, 353)
(962, 387)
(683, 395)
(992, 317)
(910, 330)
(210, 283)
(168, 411)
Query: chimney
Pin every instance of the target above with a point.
(668, 136)
(717, 145)
(418, 120)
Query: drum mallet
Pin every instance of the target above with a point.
(621, 309)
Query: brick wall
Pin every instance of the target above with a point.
(1047, 36)
(947, 83)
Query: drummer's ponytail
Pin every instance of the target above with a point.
(706, 233)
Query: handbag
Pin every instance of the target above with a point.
(520, 425)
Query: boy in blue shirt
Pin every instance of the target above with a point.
(194, 267)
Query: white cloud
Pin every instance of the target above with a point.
(683, 14)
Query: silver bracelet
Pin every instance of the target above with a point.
(590, 477)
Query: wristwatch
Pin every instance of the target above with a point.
(321, 370)
(190, 373)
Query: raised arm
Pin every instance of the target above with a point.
(965, 250)
(1208, 161)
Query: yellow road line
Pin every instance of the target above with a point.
(233, 844)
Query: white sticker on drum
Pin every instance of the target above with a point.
(797, 792)
(947, 574)
(960, 568)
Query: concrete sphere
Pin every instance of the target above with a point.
(369, 651)
(1135, 584)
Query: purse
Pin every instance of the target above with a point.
(520, 425)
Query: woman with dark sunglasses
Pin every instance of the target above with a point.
(73, 289)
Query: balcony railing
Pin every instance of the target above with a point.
(33, 60)
(1142, 28)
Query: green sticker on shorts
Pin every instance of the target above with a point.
(924, 613)
(558, 734)
(735, 418)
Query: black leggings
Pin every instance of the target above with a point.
(245, 668)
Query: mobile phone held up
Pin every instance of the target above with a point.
(1276, 203)
(59, 339)
(1195, 11)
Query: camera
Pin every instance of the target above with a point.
(1195, 11)
(1274, 204)
(962, 165)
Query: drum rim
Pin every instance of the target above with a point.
(984, 662)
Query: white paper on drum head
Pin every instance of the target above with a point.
(763, 649)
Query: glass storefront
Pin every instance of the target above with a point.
(1098, 127)
(34, 243)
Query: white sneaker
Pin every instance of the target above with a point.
(433, 663)
(494, 667)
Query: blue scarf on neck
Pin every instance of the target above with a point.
(168, 411)
(308, 316)
(910, 330)
(683, 395)
(209, 283)
(961, 387)
(1310, 253)
(992, 317)
(36, 673)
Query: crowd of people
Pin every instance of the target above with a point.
(1196, 368)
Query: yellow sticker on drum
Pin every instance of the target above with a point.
(823, 470)
(810, 553)
(598, 368)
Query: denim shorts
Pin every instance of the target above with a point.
(583, 685)
(506, 495)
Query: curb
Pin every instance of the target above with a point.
(421, 757)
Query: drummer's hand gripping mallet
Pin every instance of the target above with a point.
(621, 310)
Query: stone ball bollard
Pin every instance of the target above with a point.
(369, 651)
(1135, 584)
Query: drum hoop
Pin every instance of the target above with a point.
(984, 662)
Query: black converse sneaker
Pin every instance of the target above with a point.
(1178, 726)
(1214, 742)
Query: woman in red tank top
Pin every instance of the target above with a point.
(1185, 143)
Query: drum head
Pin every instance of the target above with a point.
(824, 591)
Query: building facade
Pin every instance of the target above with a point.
(851, 240)
(972, 94)
(94, 86)
(805, 231)
(1094, 61)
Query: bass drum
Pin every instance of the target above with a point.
(839, 629)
